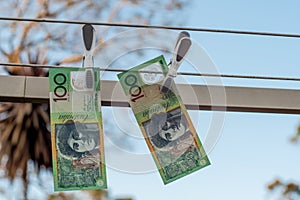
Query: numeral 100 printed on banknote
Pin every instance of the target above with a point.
(163, 120)
(76, 129)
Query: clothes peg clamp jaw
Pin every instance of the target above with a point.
(84, 81)
(182, 46)
(89, 41)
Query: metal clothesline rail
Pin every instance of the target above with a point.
(179, 73)
(127, 25)
(196, 97)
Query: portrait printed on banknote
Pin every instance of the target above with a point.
(169, 132)
(79, 142)
(177, 149)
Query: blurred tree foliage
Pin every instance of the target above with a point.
(93, 195)
(24, 127)
(287, 189)
(296, 137)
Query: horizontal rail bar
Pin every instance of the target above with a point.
(195, 97)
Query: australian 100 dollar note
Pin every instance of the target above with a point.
(163, 120)
(76, 129)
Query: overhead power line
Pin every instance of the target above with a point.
(179, 73)
(210, 30)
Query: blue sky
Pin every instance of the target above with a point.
(253, 148)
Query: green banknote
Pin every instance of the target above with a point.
(76, 129)
(163, 120)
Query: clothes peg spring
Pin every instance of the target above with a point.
(182, 46)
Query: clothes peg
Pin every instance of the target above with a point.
(182, 46)
(89, 40)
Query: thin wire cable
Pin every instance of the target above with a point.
(153, 72)
(42, 20)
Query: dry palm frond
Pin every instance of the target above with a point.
(24, 135)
